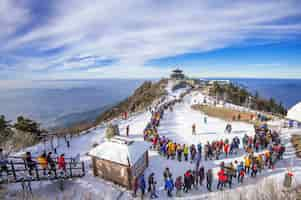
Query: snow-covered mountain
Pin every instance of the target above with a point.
(176, 125)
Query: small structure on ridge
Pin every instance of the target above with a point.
(120, 159)
(177, 74)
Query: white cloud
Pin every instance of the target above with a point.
(12, 17)
(134, 32)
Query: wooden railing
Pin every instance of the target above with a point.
(19, 171)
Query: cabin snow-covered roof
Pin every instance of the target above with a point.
(295, 112)
(120, 150)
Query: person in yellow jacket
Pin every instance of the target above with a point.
(260, 163)
(185, 152)
(169, 149)
(42, 160)
(267, 156)
(172, 150)
(247, 164)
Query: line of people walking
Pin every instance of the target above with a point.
(192, 180)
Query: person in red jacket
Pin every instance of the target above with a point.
(61, 162)
(155, 141)
(221, 179)
(226, 149)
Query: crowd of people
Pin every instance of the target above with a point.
(262, 151)
(229, 173)
(45, 161)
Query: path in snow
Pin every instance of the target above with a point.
(177, 125)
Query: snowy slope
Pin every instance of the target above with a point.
(175, 125)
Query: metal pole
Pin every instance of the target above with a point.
(70, 168)
(13, 170)
(83, 168)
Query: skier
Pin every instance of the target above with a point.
(209, 179)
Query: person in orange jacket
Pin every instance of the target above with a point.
(61, 162)
(42, 160)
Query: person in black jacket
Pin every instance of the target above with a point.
(51, 163)
(150, 181)
(201, 174)
(29, 162)
(209, 179)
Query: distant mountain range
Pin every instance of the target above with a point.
(69, 120)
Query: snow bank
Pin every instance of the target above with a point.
(295, 112)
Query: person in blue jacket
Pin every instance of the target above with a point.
(142, 185)
(239, 169)
(169, 185)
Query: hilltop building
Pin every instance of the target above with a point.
(177, 74)
(180, 80)
(120, 159)
(220, 82)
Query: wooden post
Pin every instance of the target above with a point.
(13, 170)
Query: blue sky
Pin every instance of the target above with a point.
(75, 39)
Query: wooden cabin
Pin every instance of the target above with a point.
(120, 159)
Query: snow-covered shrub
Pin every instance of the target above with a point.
(111, 131)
